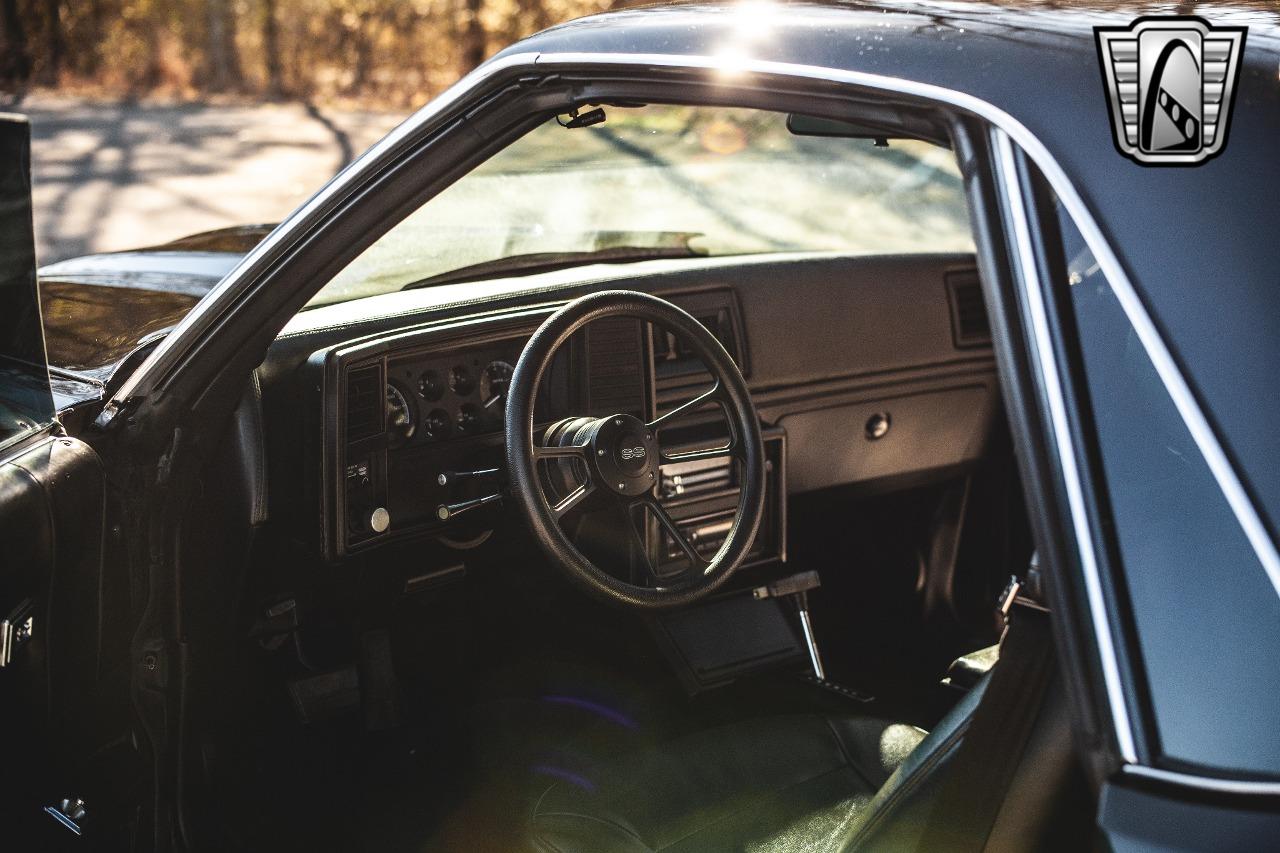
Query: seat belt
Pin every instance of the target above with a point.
(987, 758)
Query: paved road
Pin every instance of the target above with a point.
(114, 176)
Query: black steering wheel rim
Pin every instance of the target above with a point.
(523, 453)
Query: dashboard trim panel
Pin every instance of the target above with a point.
(332, 364)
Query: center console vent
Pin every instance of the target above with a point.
(615, 346)
(678, 373)
(365, 402)
(701, 497)
(703, 476)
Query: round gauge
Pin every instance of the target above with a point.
(431, 385)
(470, 419)
(437, 424)
(493, 385)
(461, 381)
(400, 421)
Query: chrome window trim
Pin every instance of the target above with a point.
(169, 352)
(1010, 190)
(1204, 783)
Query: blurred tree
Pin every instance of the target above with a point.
(222, 57)
(15, 61)
(380, 52)
(55, 43)
(271, 50)
(474, 40)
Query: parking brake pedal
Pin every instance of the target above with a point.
(796, 587)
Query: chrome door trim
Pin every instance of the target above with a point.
(1032, 289)
(1203, 783)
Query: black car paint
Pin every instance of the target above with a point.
(99, 309)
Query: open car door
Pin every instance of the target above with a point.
(54, 712)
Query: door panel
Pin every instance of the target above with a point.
(61, 706)
(60, 700)
(1134, 820)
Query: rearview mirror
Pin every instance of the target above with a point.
(802, 125)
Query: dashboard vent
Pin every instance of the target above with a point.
(679, 374)
(969, 324)
(615, 353)
(365, 402)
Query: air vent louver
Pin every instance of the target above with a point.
(365, 402)
(969, 324)
(615, 352)
(679, 373)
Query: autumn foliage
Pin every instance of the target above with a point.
(384, 52)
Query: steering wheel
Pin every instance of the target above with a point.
(618, 457)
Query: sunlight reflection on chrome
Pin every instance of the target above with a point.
(749, 23)
(731, 60)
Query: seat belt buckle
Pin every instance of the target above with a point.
(1011, 596)
(1004, 603)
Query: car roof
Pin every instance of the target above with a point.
(1198, 243)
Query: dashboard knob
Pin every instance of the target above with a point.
(379, 520)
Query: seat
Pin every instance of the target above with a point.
(798, 782)
(965, 671)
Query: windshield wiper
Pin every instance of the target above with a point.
(538, 262)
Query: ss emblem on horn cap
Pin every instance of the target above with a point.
(633, 452)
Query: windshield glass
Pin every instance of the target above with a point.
(668, 181)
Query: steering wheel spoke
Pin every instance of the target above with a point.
(637, 538)
(696, 560)
(714, 394)
(571, 500)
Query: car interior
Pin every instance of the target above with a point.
(410, 627)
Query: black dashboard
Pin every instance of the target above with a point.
(403, 406)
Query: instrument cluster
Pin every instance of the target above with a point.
(430, 398)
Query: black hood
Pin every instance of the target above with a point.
(100, 309)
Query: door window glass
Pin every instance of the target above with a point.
(1206, 613)
(25, 400)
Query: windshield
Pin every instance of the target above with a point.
(667, 181)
